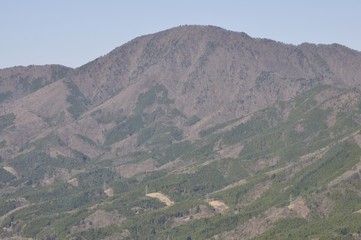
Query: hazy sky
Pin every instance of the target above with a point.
(74, 32)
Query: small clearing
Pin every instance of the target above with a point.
(219, 206)
(12, 171)
(73, 182)
(162, 197)
(59, 152)
(299, 207)
(109, 192)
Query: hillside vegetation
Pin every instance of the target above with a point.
(191, 133)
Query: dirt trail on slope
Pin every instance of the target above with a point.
(255, 226)
(345, 175)
(12, 171)
(236, 184)
(355, 169)
(11, 212)
(162, 197)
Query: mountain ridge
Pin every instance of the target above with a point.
(196, 65)
(228, 127)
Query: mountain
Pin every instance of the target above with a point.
(195, 132)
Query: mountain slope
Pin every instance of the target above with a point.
(235, 131)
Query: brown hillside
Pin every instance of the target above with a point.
(207, 71)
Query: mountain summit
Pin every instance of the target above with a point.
(226, 130)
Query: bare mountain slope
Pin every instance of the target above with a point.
(197, 63)
(209, 72)
(199, 113)
(17, 82)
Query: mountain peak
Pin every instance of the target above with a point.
(227, 131)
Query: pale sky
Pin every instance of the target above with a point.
(74, 32)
